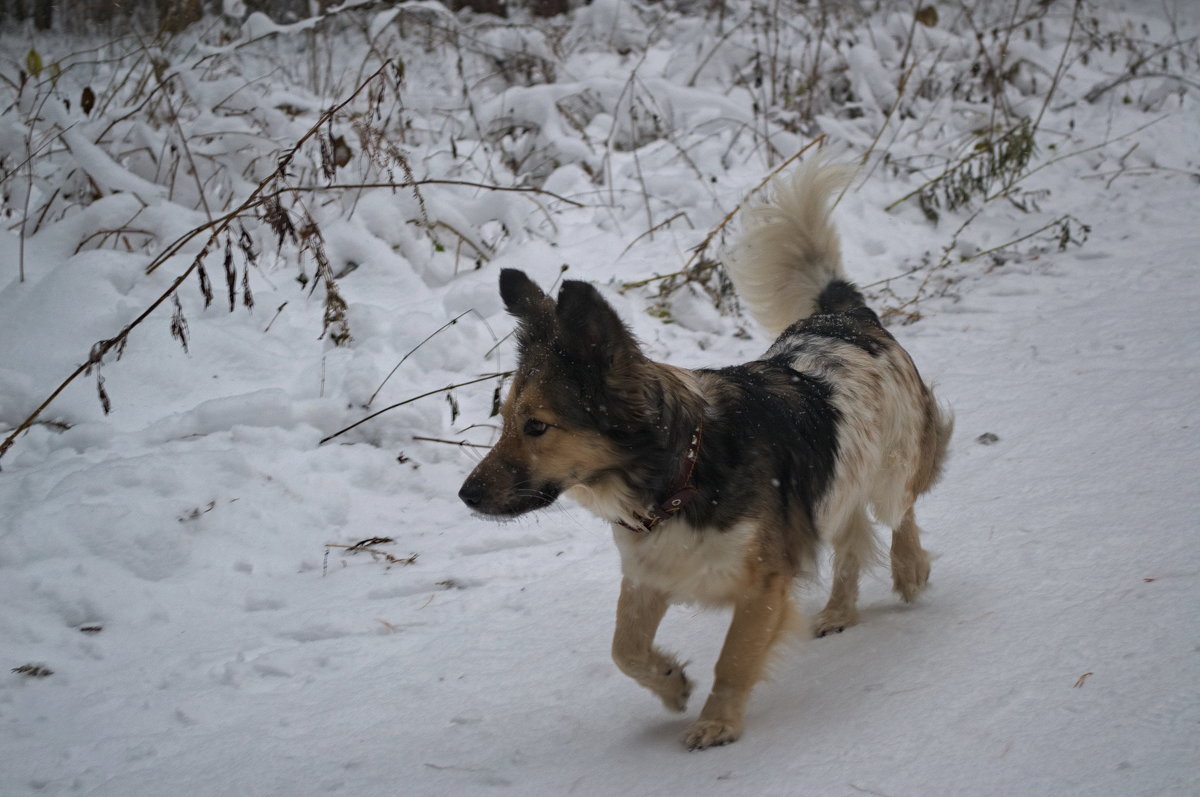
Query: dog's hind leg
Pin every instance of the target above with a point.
(910, 562)
(853, 545)
(639, 611)
(759, 619)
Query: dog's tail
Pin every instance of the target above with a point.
(788, 255)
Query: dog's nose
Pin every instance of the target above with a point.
(471, 493)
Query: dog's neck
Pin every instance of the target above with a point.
(658, 485)
(683, 491)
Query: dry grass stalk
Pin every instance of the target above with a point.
(215, 228)
(697, 256)
(445, 389)
(459, 443)
(368, 545)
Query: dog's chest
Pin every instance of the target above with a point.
(691, 566)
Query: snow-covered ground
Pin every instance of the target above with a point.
(170, 562)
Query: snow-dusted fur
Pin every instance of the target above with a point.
(789, 250)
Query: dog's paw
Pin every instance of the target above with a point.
(834, 621)
(910, 576)
(674, 687)
(661, 673)
(711, 733)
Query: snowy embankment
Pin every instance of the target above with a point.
(169, 563)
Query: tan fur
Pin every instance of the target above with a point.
(759, 615)
(853, 547)
(640, 609)
(569, 454)
(757, 587)
(910, 562)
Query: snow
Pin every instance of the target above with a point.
(1057, 651)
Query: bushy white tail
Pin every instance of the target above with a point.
(789, 250)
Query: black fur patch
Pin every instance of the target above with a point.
(840, 296)
(599, 377)
(858, 327)
(843, 316)
(771, 434)
(533, 309)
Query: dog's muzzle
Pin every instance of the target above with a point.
(513, 496)
(473, 492)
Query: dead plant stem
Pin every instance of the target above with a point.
(459, 443)
(1058, 71)
(411, 351)
(697, 251)
(216, 228)
(377, 413)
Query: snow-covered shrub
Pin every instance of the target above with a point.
(426, 143)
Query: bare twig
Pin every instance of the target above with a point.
(1058, 71)
(183, 139)
(699, 250)
(410, 352)
(655, 228)
(376, 414)
(1132, 73)
(1050, 162)
(946, 261)
(215, 229)
(1100, 90)
(459, 443)
(518, 189)
(866, 156)
(361, 546)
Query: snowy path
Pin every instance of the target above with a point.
(1066, 548)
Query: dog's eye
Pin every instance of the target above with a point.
(535, 428)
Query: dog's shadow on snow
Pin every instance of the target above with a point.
(826, 675)
(664, 734)
(873, 616)
(890, 643)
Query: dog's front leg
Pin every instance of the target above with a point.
(759, 617)
(639, 611)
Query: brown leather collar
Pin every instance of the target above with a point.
(680, 497)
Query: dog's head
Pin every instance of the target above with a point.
(582, 399)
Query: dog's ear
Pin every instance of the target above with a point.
(532, 308)
(591, 330)
(616, 380)
(522, 297)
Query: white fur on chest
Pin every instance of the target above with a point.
(691, 566)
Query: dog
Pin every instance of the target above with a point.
(721, 484)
